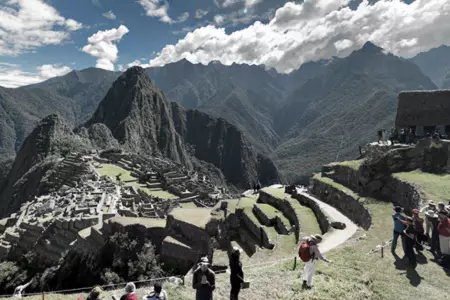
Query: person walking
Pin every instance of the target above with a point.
(237, 275)
(309, 252)
(428, 222)
(399, 227)
(410, 240)
(204, 281)
(419, 229)
(444, 232)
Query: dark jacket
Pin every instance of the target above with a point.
(204, 291)
(237, 275)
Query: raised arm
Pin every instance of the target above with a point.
(318, 254)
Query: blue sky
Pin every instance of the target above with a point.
(40, 39)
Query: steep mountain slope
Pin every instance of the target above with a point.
(30, 164)
(73, 96)
(244, 95)
(330, 115)
(435, 63)
(222, 144)
(141, 119)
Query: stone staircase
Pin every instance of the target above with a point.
(69, 171)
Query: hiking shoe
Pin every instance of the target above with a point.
(304, 285)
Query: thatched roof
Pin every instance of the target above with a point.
(427, 108)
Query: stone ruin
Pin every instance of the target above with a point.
(78, 202)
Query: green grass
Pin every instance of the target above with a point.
(113, 170)
(339, 187)
(272, 212)
(195, 216)
(432, 186)
(188, 205)
(354, 164)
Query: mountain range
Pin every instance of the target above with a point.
(319, 113)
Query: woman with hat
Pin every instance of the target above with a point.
(204, 280)
(444, 232)
(399, 227)
(428, 223)
(237, 275)
(315, 254)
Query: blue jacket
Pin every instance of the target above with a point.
(398, 226)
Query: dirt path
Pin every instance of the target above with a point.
(336, 237)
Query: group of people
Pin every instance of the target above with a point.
(204, 279)
(158, 293)
(405, 136)
(415, 231)
(256, 187)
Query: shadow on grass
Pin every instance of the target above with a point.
(402, 264)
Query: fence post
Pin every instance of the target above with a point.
(295, 263)
(182, 281)
(43, 295)
(382, 250)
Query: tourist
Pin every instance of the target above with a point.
(236, 275)
(399, 227)
(95, 294)
(309, 252)
(158, 293)
(204, 281)
(410, 240)
(130, 292)
(434, 219)
(258, 186)
(428, 223)
(380, 135)
(419, 230)
(444, 232)
(20, 290)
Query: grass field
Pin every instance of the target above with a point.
(354, 164)
(432, 186)
(113, 170)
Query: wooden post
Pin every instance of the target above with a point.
(295, 263)
(182, 281)
(43, 295)
(382, 250)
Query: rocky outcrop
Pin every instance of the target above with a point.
(100, 136)
(138, 115)
(257, 231)
(31, 164)
(218, 142)
(343, 200)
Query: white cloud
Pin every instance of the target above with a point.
(158, 9)
(247, 3)
(250, 3)
(102, 45)
(97, 3)
(219, 19)
(200, 13)
(183, 17)
(317, 29)
(109, 15)
(228, 3)
(28, 24)
(13, 77)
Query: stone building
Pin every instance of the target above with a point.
(424, 111)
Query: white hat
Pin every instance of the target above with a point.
(316, 237)
(204, 260)
(431, 202)
(431, 214)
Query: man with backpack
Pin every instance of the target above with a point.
(309, 252)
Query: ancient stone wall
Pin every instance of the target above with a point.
(194, 234)
(257, 231)
(285, 206)
(270, 221)
(342, 201)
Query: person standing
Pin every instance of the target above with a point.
(428, 222)
(444, 232)
(399, 227)
(204, 281)
(420, 231)
(237, 275)
(410, 240)
(309, 252)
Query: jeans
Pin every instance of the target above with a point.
(409, 251)
(394, 241)
(235, 289)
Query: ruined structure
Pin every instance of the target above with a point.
(424, 111)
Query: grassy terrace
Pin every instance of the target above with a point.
(113, 170)
(339, 187)
(272, 212)
(354, 164)
(172, 240)
(195, 216)
(147, 222)
(432, 186)
(307, 218)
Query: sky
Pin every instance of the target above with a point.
(40, 39)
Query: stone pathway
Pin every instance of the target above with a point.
(336, 237)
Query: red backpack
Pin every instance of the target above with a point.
(304, 251)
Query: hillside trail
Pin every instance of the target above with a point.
(336, 237)
(333, 238)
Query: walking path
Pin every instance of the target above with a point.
(335, 237)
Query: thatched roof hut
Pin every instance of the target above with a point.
(423, 108)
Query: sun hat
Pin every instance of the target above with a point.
(204, 261)
(130, 288)
(431, 202)
(431, 214)
(398, 209)
(316, 237)
(95, 292)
